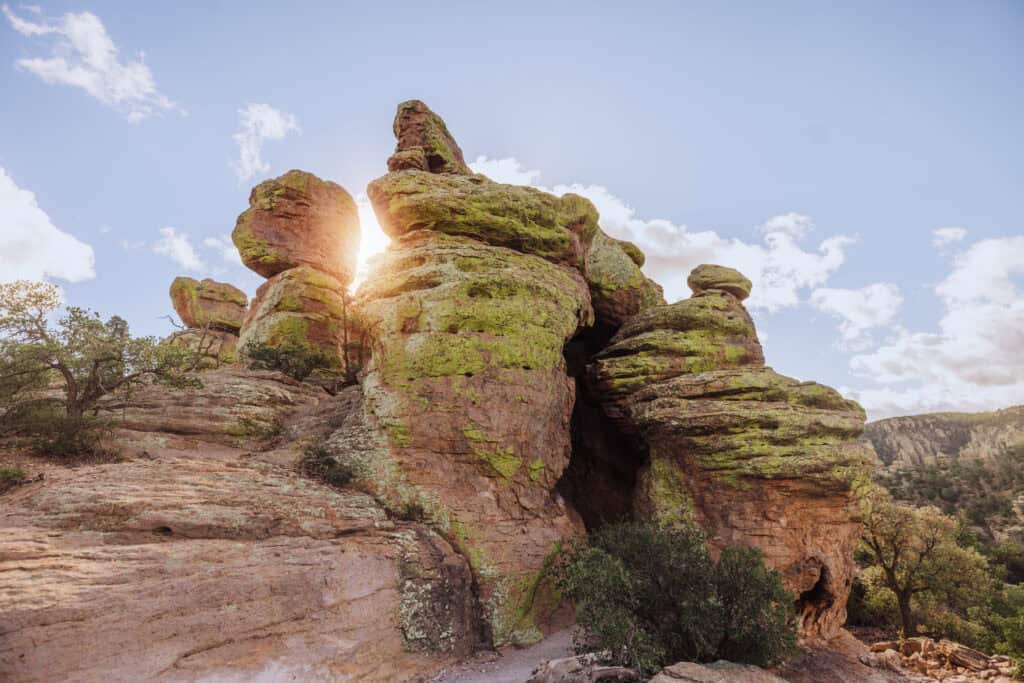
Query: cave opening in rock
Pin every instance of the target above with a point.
(602, 469)
(815, 601)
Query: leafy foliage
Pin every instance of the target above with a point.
(652, 596)
(320, 463)
(297, 360)
(11, 477)
(916, 553)
(53, 375)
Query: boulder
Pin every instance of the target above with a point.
(756, 457)
(717, 672)
(305, 308)
(424, 143)
(586, 668)
(299, 220)
(618, 289)
(523, 219)
(208, 303)
(709, 277)
(215, 347)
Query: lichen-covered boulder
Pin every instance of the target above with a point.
(215, 347)
(424, 143)
(618, 288)
(304, 308)
(756, 457)
(525, 219)
(709, 277)
(299, 220)
(208, 303)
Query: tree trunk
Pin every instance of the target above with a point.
(906, 615)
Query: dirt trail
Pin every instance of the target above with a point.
(511, 666)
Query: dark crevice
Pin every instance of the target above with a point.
(815, 601)
(601, 475)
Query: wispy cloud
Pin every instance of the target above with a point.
(257, 124)
(31, 246)
(859, 310)
(946, 236)
(84, 56)
(178, 248)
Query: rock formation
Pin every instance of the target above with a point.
(522, 380)
(212, 313)
(302, 233)
(209, 303)
(299, 220)
(755, 457)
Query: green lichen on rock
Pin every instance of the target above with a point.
(707, 277)
(208, 303)
(662, 492)
(424, 142)
(618, 288)
(304, 308)
(522, 218)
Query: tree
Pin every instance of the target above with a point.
(652, 596)
(87, 357)
(915, 553)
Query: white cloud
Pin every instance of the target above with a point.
(859, 310)
(945, 236)
(258, 123)
(793, 224)
(84, 56)
(31, 246)
(779, 267)
(178, 248)
(225, 247)
(975, 360)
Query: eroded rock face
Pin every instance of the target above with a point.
(424, 143)
(299, 220)
(208, 303)
(304, 307)
(468, 313)
(216, 347)
(755, 457)
(201, 561)
(618, 288)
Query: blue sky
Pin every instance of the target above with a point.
(816, 147)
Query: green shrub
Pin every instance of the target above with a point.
(50, 431)
(11, 477)
(318, 462)
(652, 596)
(298, 361)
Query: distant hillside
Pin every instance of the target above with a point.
(961, 462)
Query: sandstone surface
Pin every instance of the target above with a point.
(208, 303)
(299, 220)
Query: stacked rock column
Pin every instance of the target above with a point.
(302, 233)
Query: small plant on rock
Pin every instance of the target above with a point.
(318, 462)
(652, 596)
(11, 477)
(296, 360)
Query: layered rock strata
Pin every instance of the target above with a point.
(755, 457)
(194, 559)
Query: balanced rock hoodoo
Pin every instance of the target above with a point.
(303, 233)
